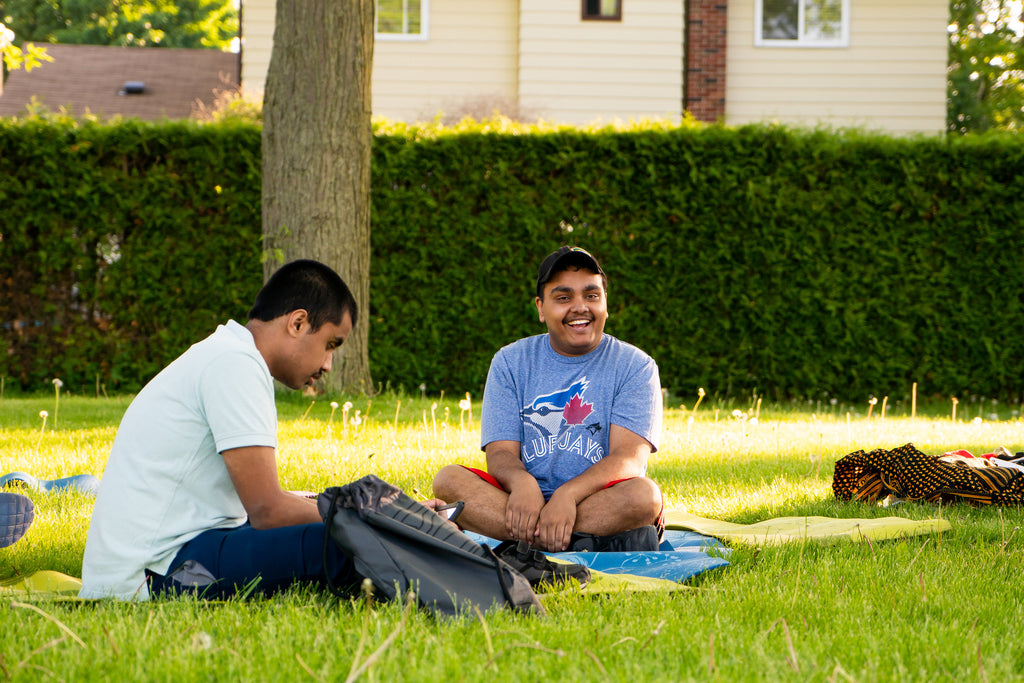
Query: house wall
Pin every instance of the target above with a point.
(891, 78)
(536, 58)
(467, 64)
(705, 46)
(257, 27)
(575, 71)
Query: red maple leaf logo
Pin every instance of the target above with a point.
(577, 411)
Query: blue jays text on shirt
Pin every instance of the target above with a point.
(557, 422)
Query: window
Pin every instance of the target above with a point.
(802, 23)
(602, 10)
(402, 19)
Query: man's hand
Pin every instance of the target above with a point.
(435, 503)
(556, 522)
(523, 509)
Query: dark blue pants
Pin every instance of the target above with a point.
(220, 563)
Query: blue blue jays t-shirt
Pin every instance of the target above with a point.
(560, 408)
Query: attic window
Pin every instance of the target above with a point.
(802, 23)
(133, 88)
(602, 10)
(402, 19)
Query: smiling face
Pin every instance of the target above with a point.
(308, 354)
(574, 308)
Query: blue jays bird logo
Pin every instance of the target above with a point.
(553, 416)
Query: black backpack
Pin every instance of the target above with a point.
(402, 545)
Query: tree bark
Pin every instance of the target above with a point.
(316, 155)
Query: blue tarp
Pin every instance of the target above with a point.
(683, 554)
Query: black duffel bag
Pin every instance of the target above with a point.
(402, 545)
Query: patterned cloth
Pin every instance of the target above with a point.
(906, 472)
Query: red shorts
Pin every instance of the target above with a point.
(659, 522)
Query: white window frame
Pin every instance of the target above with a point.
(423, 35)
(614, 16)
(802, 40)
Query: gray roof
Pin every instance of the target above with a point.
(92, 78)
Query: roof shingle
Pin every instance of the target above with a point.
(91, 79)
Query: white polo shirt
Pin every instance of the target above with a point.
(165, 481)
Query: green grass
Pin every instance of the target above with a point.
(943, 607)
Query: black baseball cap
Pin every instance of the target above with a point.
(562, 257)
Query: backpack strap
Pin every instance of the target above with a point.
(328, 516)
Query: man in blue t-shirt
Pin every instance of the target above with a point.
(569, 420)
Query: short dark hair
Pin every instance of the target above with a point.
(309, 285)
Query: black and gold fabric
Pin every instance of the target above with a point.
(907, 473)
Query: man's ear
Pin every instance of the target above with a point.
(297, 321)
(540, 309)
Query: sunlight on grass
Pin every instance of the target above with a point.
(896, 610)
(718, 464)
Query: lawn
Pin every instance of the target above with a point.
(924, 608)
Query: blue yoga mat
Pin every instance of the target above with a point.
(84, 483)
(682, 555)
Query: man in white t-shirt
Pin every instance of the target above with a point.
(569, 420)
(190, 498)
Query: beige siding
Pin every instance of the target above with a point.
(257, 42)
(466, 64)
(576, 71)
(891, 78)
(537, 58)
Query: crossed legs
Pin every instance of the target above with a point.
(620, 506)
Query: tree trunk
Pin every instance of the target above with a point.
(316, 155)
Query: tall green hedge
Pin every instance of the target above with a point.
(791, 263)
(122, 244)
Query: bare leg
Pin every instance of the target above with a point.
(627, 505)
(485, 505)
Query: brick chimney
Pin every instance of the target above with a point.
(704, 69)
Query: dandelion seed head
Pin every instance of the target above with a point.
(57, 383)
(465, 404)
(43, 414)
(976, 421)
(334, 405)
(347, 406)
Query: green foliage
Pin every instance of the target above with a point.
(791, 263)
(986, 66)
(13, 57)
(758, 258)
(143, 23)
(131, 242)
